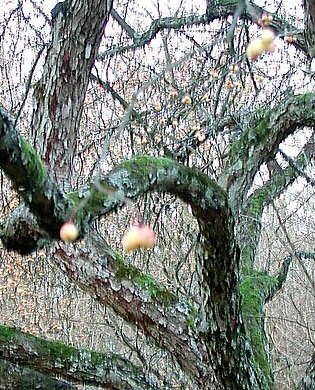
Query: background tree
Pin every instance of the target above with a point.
(129, 112)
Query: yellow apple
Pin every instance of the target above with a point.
(157, 107)
(266, 19)
(267, 37)
(254, 49)
(148, 237)
(69, 232)
(132, 239)
(186, 100)
(137, 237)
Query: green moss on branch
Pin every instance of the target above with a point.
(78, 365)
(142, 174)
(144, 282)
(254, 290)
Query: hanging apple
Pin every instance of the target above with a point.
(138, 236)
(69, 232)
(186, 99)
(263, 43)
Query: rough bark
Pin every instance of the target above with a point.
(308, 381)
(42, 358)
(259, 143)
(221, 301)
(76, 35)
(18, 377)
(236, 351)
(171, 323)
(29, 176)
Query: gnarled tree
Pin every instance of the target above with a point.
(108, 129)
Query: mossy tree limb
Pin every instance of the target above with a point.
(218, 253)
(257, 288)
(28, 174)
(280, 179)
(139, 175)
(259, 143)
(18, 377)
(137, 298)
(254, 289)
(77, 366)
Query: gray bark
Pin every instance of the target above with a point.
(60, 94)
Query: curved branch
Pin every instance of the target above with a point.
(29, 176)
(280, 180)
(131, 179)
(142, 174)
(75, 365)
(266, 130)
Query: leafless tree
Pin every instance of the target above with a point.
(132, 105)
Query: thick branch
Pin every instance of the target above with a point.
(79, 366)
(260, 142)
(18, 377)
(280, 180)
(129, 180)
(28, 174)
(139, 300)
(142, 174)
